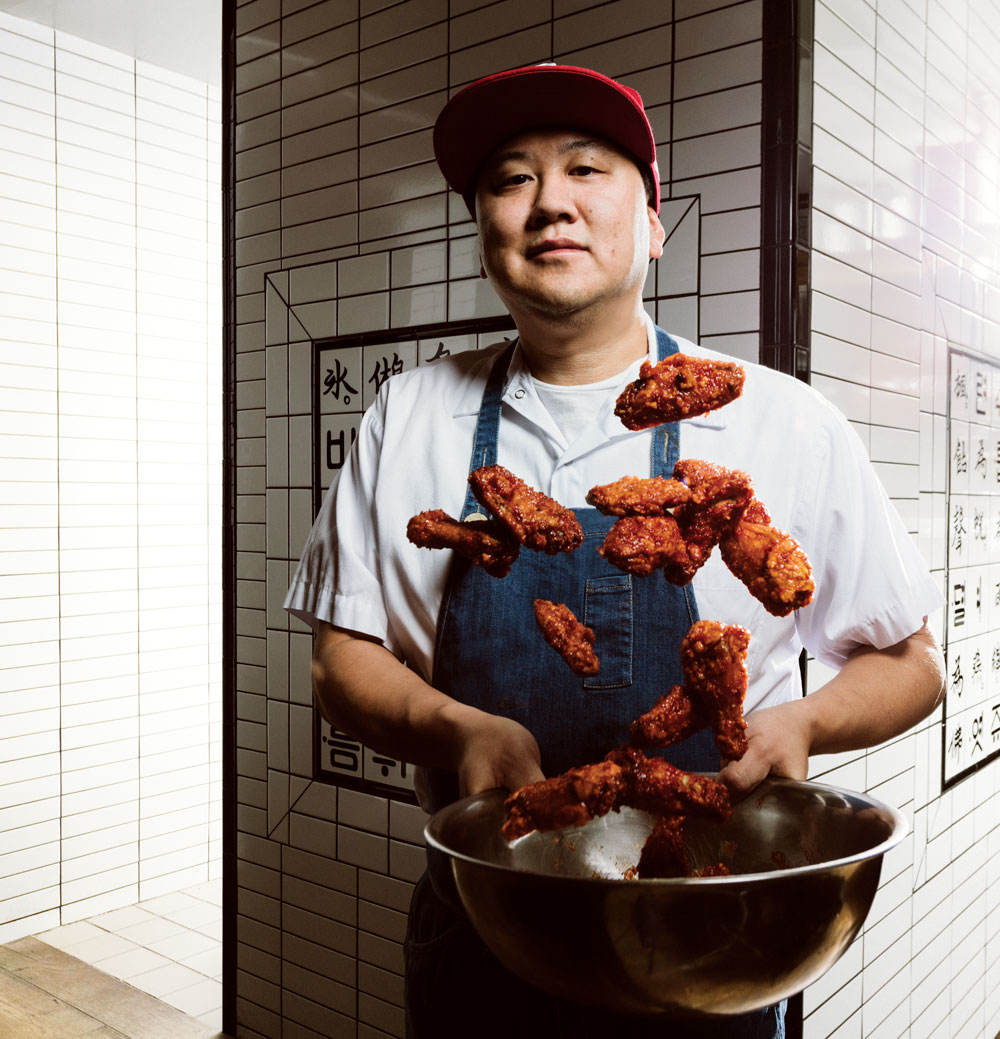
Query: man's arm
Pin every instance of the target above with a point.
(362, 689)
(876, 695)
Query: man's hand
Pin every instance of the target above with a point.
(362, 688)
(876, 695)
(777, 745)
(497, 752)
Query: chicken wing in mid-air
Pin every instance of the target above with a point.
(643, 544)
(679, 387)
(707, 500)
(769, 562)
(673, 718)
(713, 657)
(638, 496)
(573, 641)
(718, 498)
(536, 520)
(485, 542)
(709, 483)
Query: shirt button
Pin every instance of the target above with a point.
(518, 394)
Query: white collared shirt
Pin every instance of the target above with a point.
(358, 570)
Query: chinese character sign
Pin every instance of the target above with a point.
(971, 733)
(347, 378)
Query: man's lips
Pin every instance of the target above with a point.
(552, 245)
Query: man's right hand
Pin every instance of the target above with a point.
(362, 688)
(497, 752)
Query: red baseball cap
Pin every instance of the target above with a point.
(491, 110)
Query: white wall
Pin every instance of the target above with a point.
(907, 264)
(110, 479)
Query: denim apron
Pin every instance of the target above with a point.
(490, 654)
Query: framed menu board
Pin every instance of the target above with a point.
(348, 372)
(971, 726)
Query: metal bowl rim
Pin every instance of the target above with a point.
(900, 828)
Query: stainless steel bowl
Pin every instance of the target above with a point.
(556, 909)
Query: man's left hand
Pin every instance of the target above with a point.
(777, 745)
(877, 695)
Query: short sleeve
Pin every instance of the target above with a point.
(872, 584)
(338, 579)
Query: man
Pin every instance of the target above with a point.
(558, 166)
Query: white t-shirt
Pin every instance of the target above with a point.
(809, 468)
(573, 408)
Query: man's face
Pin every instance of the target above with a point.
(563, 223)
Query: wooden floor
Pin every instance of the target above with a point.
(47, 994)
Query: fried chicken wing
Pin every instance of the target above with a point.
(679, 387)
(485, 542)
(573, 641)
(768, 561)
(674, 717)
(718, 498)
(571, 799)
(654, 785)
(638, 496)
(537, 521)
(625, 777)
(641, 544)
(707, 500)
(713, 657)
(663, 854)
(709, 483)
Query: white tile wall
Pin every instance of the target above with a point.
(906, 142)
(343, 225)
(110, 415)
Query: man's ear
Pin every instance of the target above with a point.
(657, 235)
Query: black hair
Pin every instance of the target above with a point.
(648, 183)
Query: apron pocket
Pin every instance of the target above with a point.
(607, 610)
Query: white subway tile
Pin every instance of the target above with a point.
(27, 40)
(852, 89)
(895, 374)
(843, 281)
(843, 122)
(24, 95)
(841, 320)
(833, 1015)
(842, 202)
(841, 241)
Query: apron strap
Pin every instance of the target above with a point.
(665, 448)
(484, 446)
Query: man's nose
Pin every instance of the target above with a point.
(553, 202)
